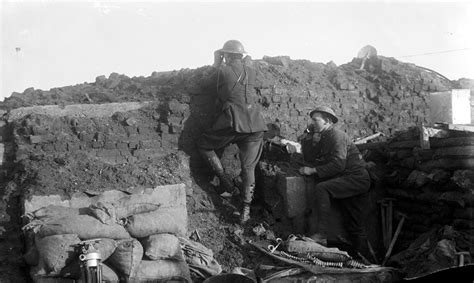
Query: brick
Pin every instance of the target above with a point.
(293, 191)
(131, 159)
(147, 144)
(125, 152)
(48, 147)
(131, 121)
(36, 139)
(142, 154)
(278, 90)
(120, 160)
(109, 145)
(131, 131)
(164, 128)
(265, 91)
(285, 99)
(133, 145)
(108, 155)
(169, 140)
(86, 137)
(122, 145)
(294, 113)
(97, 144)
(175, 129)
(276, 98)
(176, 107)
(143, 130)
(100, 137)
(107, 152)
(71, 146)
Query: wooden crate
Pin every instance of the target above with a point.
(450, 107)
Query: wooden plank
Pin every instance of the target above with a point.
(372, 145)
(434, 143)
(447, 163)
(404, 144)
(366, 139)
(444, 152)
(424, 137)
(457, 151)
(464, 128)
(459, 141)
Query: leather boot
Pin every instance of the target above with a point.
(226, 184)
(247, 198)
(245, 213)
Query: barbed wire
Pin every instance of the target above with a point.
(437, 52)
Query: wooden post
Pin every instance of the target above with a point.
(392, 244)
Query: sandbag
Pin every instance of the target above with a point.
(111, 196)
(56, 211)
(113, 212)
(170, 220)
(106, 247)
(85, 226)
(73, 271)
(56, 251)
(31, 256)
(109, 275)
(199, 257)
(126, 258)
(136, 204)
(162, 246)
(163, 269)
(37, 271)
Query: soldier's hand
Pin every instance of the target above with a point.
(218, 57)
(290, 148)
(307, 170)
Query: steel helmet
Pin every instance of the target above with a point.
(233, 46)
(325, 110)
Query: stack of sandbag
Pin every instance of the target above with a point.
(135, 234)
(54, 235)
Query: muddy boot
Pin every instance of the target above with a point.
(247, 197)
(226, 183)
(245, 214)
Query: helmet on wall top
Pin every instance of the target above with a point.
(233, 46)
(325, 110)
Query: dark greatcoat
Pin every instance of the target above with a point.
(237, 99)
(338, 164)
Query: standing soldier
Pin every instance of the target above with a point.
(238, 121)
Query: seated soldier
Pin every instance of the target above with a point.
(340, 174)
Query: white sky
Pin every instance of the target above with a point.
(65, 43)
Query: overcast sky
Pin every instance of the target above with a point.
(46, 44)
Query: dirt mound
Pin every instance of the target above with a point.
(296, 74)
